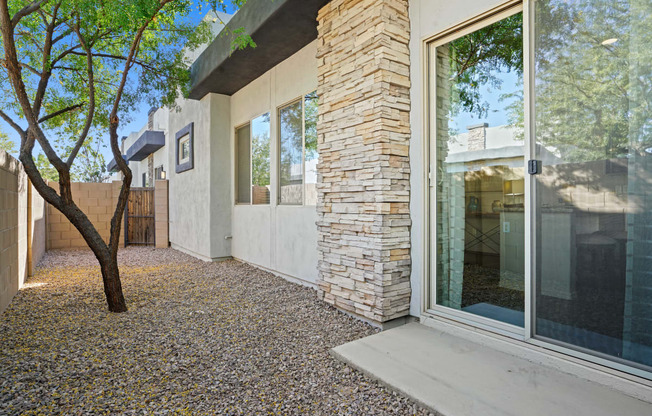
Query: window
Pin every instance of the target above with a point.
(184, 144)
(253, 162)
(184, 148)
(243, 168)
(298, 152)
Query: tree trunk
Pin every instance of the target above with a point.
(112, 285)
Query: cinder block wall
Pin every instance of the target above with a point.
(9, 271)
(364, 171)
(97, 202)
(15, 223)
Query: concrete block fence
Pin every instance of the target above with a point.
(22, 213)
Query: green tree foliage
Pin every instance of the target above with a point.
(74, 69)
(260, 148)
(293, 124)
(291, 140)
(46, 169)
(593, 77)
(592, 98)
(7, 144)
(477, 58)
(91, 166)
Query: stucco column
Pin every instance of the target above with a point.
(161, 213)
(364, 132)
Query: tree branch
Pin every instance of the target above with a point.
(30, 8)
(91, 97)
(13, 124)
(59, 112)
(47, 68)
(23, 65)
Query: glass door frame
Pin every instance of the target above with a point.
(430, 303)
(429, 300)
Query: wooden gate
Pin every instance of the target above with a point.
(139, 217)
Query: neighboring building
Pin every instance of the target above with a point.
(540, 234)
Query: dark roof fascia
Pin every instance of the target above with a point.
(279, 27)
(149, 142)
(112, 166)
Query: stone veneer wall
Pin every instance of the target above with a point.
(364, 132)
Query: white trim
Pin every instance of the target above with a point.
(528, 98)
(477, 22)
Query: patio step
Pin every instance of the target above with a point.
(455, 376)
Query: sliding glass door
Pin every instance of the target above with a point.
(593, 210)
(541, 210)
(479, 186)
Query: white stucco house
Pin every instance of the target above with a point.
(465, 164)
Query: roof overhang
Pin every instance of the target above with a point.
(113, 165)
(280, 28)
(149, 142)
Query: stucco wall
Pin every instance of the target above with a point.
(280, 238)
(199, 221)
(427, 18)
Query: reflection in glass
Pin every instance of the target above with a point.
(243, 162)
(479, 183)
(593, 96)
(260, 160)
(311, 155)
(291, 152)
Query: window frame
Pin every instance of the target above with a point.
(188, 130)
(251, 164)
(302, 100)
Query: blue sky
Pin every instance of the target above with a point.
(497, 115)
(138, 118)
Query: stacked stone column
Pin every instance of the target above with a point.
(364, 172)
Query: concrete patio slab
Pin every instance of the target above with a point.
(455, 376)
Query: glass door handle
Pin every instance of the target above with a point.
(534, 167)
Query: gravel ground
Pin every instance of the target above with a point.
(199, 338)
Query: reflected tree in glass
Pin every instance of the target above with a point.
(260, 159)
(311, 154)
(291, 153)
